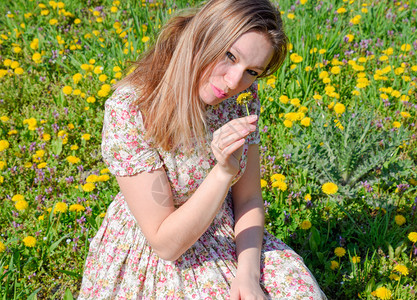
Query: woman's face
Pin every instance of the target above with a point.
(246, 59)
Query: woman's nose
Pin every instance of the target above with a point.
(233, 78)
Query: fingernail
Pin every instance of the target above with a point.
(254, 117)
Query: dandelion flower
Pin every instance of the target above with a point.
(244, 99)
(405, 114)
(396, 124)
(103, 178)
(288, 123)
(306, 121)
(356, 259)
(280, 185)
(291, 16)
(295, 58)
(3, 165)
(77, 208)
(307, 197)
(412, 236)
(334, 265)
(339, 252)
(21, 205)
(394, 277)
(264, 183)
(2, 247)
(86, 136)
(305, 225)
(73, 160)
(92, 178)
(283, 99)
(4, 144)
(67, 90)
(29, 241)
(329, 188)
(401, 269)
(383, 293)
(277, 177)
(88, 187)
(339, 108)
(400, 220)
(405, 47)
(60, 207)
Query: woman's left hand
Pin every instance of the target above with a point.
(246, 288)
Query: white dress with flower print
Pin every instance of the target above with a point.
(122, 265)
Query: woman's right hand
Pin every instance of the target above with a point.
(228, 140)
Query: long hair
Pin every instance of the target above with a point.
(167, 76)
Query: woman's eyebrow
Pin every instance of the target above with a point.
(234, 48)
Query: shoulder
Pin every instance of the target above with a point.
(123, 97)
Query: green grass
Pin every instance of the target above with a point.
(376, 177)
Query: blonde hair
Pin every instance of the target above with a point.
(167, 76)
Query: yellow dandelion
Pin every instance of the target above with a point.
(401, 269)
(396, 124)
(339, 108)
(103, 178)
(88, 187)
(400, 220)
(280, 185)
(60, 207)
(73, 160)
(67, 90)
(86, 136)
(329, 188)
(339, 252)
(356, 259)
(21, 205)
(306, 121)
(4, 144)
(334, 265)
(2, 247)
(412, 236)
(18, 197)
(77, 208)
(383, 293)
(305, 225)
(29, 241)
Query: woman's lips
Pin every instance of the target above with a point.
(218, 92)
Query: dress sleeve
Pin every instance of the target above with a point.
(123, 147)
(254, 109)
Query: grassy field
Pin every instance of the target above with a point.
(338, 133)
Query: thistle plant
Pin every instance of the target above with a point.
(350, 148)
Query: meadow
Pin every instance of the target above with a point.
(338, 139)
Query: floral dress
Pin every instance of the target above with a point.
(122, 265)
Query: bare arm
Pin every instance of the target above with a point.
(171, 231)
(249, 226)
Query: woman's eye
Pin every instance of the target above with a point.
(252, 73)
(230, 56)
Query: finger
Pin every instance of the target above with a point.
(223, 142)
(234, 147)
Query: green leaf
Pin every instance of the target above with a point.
(34, 296)
(370, 286)
(73, 274)
(56, 244)
(390, 251)
(68, 295)
(57, 146)
(314, 240)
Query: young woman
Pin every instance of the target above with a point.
(189, 220)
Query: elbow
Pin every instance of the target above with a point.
(168, 254)
(167, 251)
